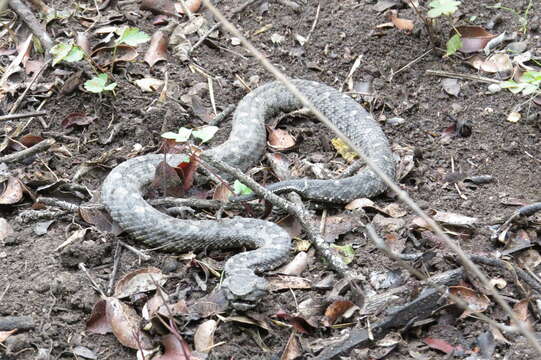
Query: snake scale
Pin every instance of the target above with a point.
(122, 190)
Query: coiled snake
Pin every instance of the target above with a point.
(122, 190)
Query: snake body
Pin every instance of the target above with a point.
(122, 190)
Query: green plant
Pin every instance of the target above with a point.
(67, 52)
(529, 84)
(98, 84)
(447, 8)
(204, 133)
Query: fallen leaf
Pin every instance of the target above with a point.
(174, 348)
(280, 139)
(451, 86)
(298, 322)
(291, 224)
(295, 266)
(98, 322)
(149, 84)
(157, 51)
(192, 5)
(13, 191)
(166, 7)
(292, 349)
(142, 280)
(477, 303)
(100, 219)
(84, 352)
(442, 345)
(122, 53)
(277, 283)
(222, 193)
(453, 219)
(125, 325)
(497, 63)
(167, 180)
(401, 24)
(521, 311)
(335, 310)
(80, 119)
(344, 150)
(474, 38)
(5, 334)
(250, 320)
(203, 338)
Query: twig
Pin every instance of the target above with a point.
(116, 262)
(94, 284)
(22, 116)
(319, 243)
(402, 195)
(462, 76)
(23, 95)
(23, 154)
(221, 116)
(527, 210)
(523, 275)
(135, 251)
(414, 61)
(30, 19)
(314, 23)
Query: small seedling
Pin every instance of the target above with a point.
(131, 36)
(98, 84)
(522, 18)
(67, 52)
(528, 84)
(204, 133)
(447, 8)
(241, 189)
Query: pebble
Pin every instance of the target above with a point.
(494, 88)
(396, 121)
(170, 265)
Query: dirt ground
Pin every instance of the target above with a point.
(411, 106)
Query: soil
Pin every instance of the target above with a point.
(40, 281)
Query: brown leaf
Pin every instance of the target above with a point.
(166, 7)
(474, 38)
(5, 334)
(157, 50)
(98, 322)
(335, 310)
(292, 225)
(497, 63)
(279, 164)
(167, 180)
(13, 191)
(441, 345)
(192, 5)
(292, 349)
(277, 283)
(174, 348)
(83, 42)
(295, 266)
(103, 56)
(222, 193)
(401, 24)
(100, 219)
(80, 119)
(203, 338)
(299, 323)
(280, 140)
(125, 325)
(521, 310)
(476, 302)
(142, 280)
(72, 83)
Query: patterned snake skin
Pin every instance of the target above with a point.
(123, 188)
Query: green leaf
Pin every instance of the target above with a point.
(182, 136)
(346, 252)
(132, 36)
(98, 84)
(512, 85)
(442, 7)
(453, 44)
(205, 133)
(241, 189)
(66, 52)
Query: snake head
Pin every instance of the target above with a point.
(243, 289)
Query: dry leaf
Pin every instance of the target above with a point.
(277, 283)
(344, 150)
(477, 303)
(149, 84)
(203, 338)
(401, 24)
(13, 191)
(292, 349)
(125, 325)
(98, 323)
(139, 281)
(280, 140)
(295, 266)
(157, 51)
(335, 310)
(174, 349)
(474, 38)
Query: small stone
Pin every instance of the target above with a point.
(396, 121)
(494, 88)
(170, 265)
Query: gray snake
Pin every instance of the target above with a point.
(122, 190)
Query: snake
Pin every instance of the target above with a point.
(122, 191)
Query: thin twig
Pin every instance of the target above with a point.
(314, 23)
(23, 154)
(221, 116)
(414, 61)
(137, 252)
(35, 26)
(22, 115)
(302, 215)
(94, 284)
(394, 187)
(116, 263)
(23, 95)
(462, 76)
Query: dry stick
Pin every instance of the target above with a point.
(94, 284)
(22, 116)
(462, 76)
(116, 263)
(30, 19)
(135, 251)
(414, 61)
(23, 154)
(316, 19)
(34, 79)
(319, 243)
(401, 194)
